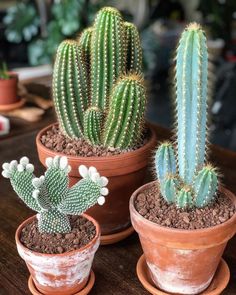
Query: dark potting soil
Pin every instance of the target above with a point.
(83, 231)
(55, 140)
(152, 206)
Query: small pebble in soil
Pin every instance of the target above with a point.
(83, 231)
(152, 206)
(55, 140)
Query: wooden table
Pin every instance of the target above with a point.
(114, 265)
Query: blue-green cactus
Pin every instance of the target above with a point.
(50, 194)
(192, 184)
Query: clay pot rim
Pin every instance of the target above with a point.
(13, 75)
(225, 191)
(120, 157)
(28, 220)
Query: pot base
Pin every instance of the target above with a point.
(117, 237)
(12, 106)
(85, 291)
(218, 284)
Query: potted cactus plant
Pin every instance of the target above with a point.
(58, 248)
(8, 89)
(100, 103)
(185, 218)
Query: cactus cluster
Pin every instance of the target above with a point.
(189, 182)
(50, 195)
(98, 86)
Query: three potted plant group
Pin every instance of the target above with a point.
(100, 103)
(185, 218)
(58, 248)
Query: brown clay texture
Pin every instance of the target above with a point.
(8, 90)
(182, 261)
(126, 172)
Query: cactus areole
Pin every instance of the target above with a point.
(98, 86)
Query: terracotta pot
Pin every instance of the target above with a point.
(59, 274)
(8, 90)
(126, 172)
(182, 261)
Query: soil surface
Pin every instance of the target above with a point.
(55, 140)
(152, 206)
(83, 231)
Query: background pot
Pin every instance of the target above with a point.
(59, 274)
(126, 172)
(182, 261)
(8, 90)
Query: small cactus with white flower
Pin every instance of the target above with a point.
(188, 182)
(50, 195)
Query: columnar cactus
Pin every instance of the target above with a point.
(85, 75)
(195, 184)
(50, 194)
(70, 87)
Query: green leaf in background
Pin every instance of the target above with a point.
(42, 50)
(22, 22)
(68, 14)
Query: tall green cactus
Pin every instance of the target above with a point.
(70, 88)
(50, 194)
(195, 184)
(106, 55)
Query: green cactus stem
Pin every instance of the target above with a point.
(70, 88)
(169, 188)
(85, 42)
(205, 186)
(165, 161)
(191, 101)
(184, 198)
(107, 55)
(50, 195)
(85, 75)
(93, 125)
(133, 49)
(124, 122)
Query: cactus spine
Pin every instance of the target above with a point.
(193, 184)
(107, 55)
(50, 195)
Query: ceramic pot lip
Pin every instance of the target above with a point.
(70, 253)
(13, 76)
(151, 142)
(169, 230)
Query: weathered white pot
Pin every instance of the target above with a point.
(60, 274)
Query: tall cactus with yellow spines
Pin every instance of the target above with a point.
(110, 52)
(70, 88)
(193, 183)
